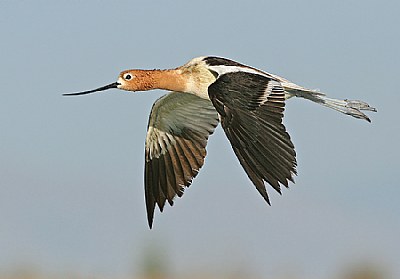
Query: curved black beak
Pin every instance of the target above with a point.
(109, 86)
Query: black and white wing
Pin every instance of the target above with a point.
(178, 129)
(251, 105)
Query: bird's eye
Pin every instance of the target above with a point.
(128, 76)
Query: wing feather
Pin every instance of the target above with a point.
(178, 130)
(251, 109)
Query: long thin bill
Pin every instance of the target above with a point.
(109, 86)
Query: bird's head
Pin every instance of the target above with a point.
(137, 80)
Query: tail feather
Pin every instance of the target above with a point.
(350, 107)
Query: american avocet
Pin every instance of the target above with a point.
(248, 102)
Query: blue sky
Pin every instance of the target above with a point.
(71, 169)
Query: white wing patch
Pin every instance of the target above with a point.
(222, 69)
(274, 87)
(157, 142)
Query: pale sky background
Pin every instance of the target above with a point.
(71, 169)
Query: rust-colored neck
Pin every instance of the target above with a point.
(169, 80)
(154, 79)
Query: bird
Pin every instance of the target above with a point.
(208, 90)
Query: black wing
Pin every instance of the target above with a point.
(251, 110)
(178, 129)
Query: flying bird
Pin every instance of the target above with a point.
(207, 90)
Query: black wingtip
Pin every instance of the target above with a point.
(265, 197)
(150, 205)
(150, 222)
